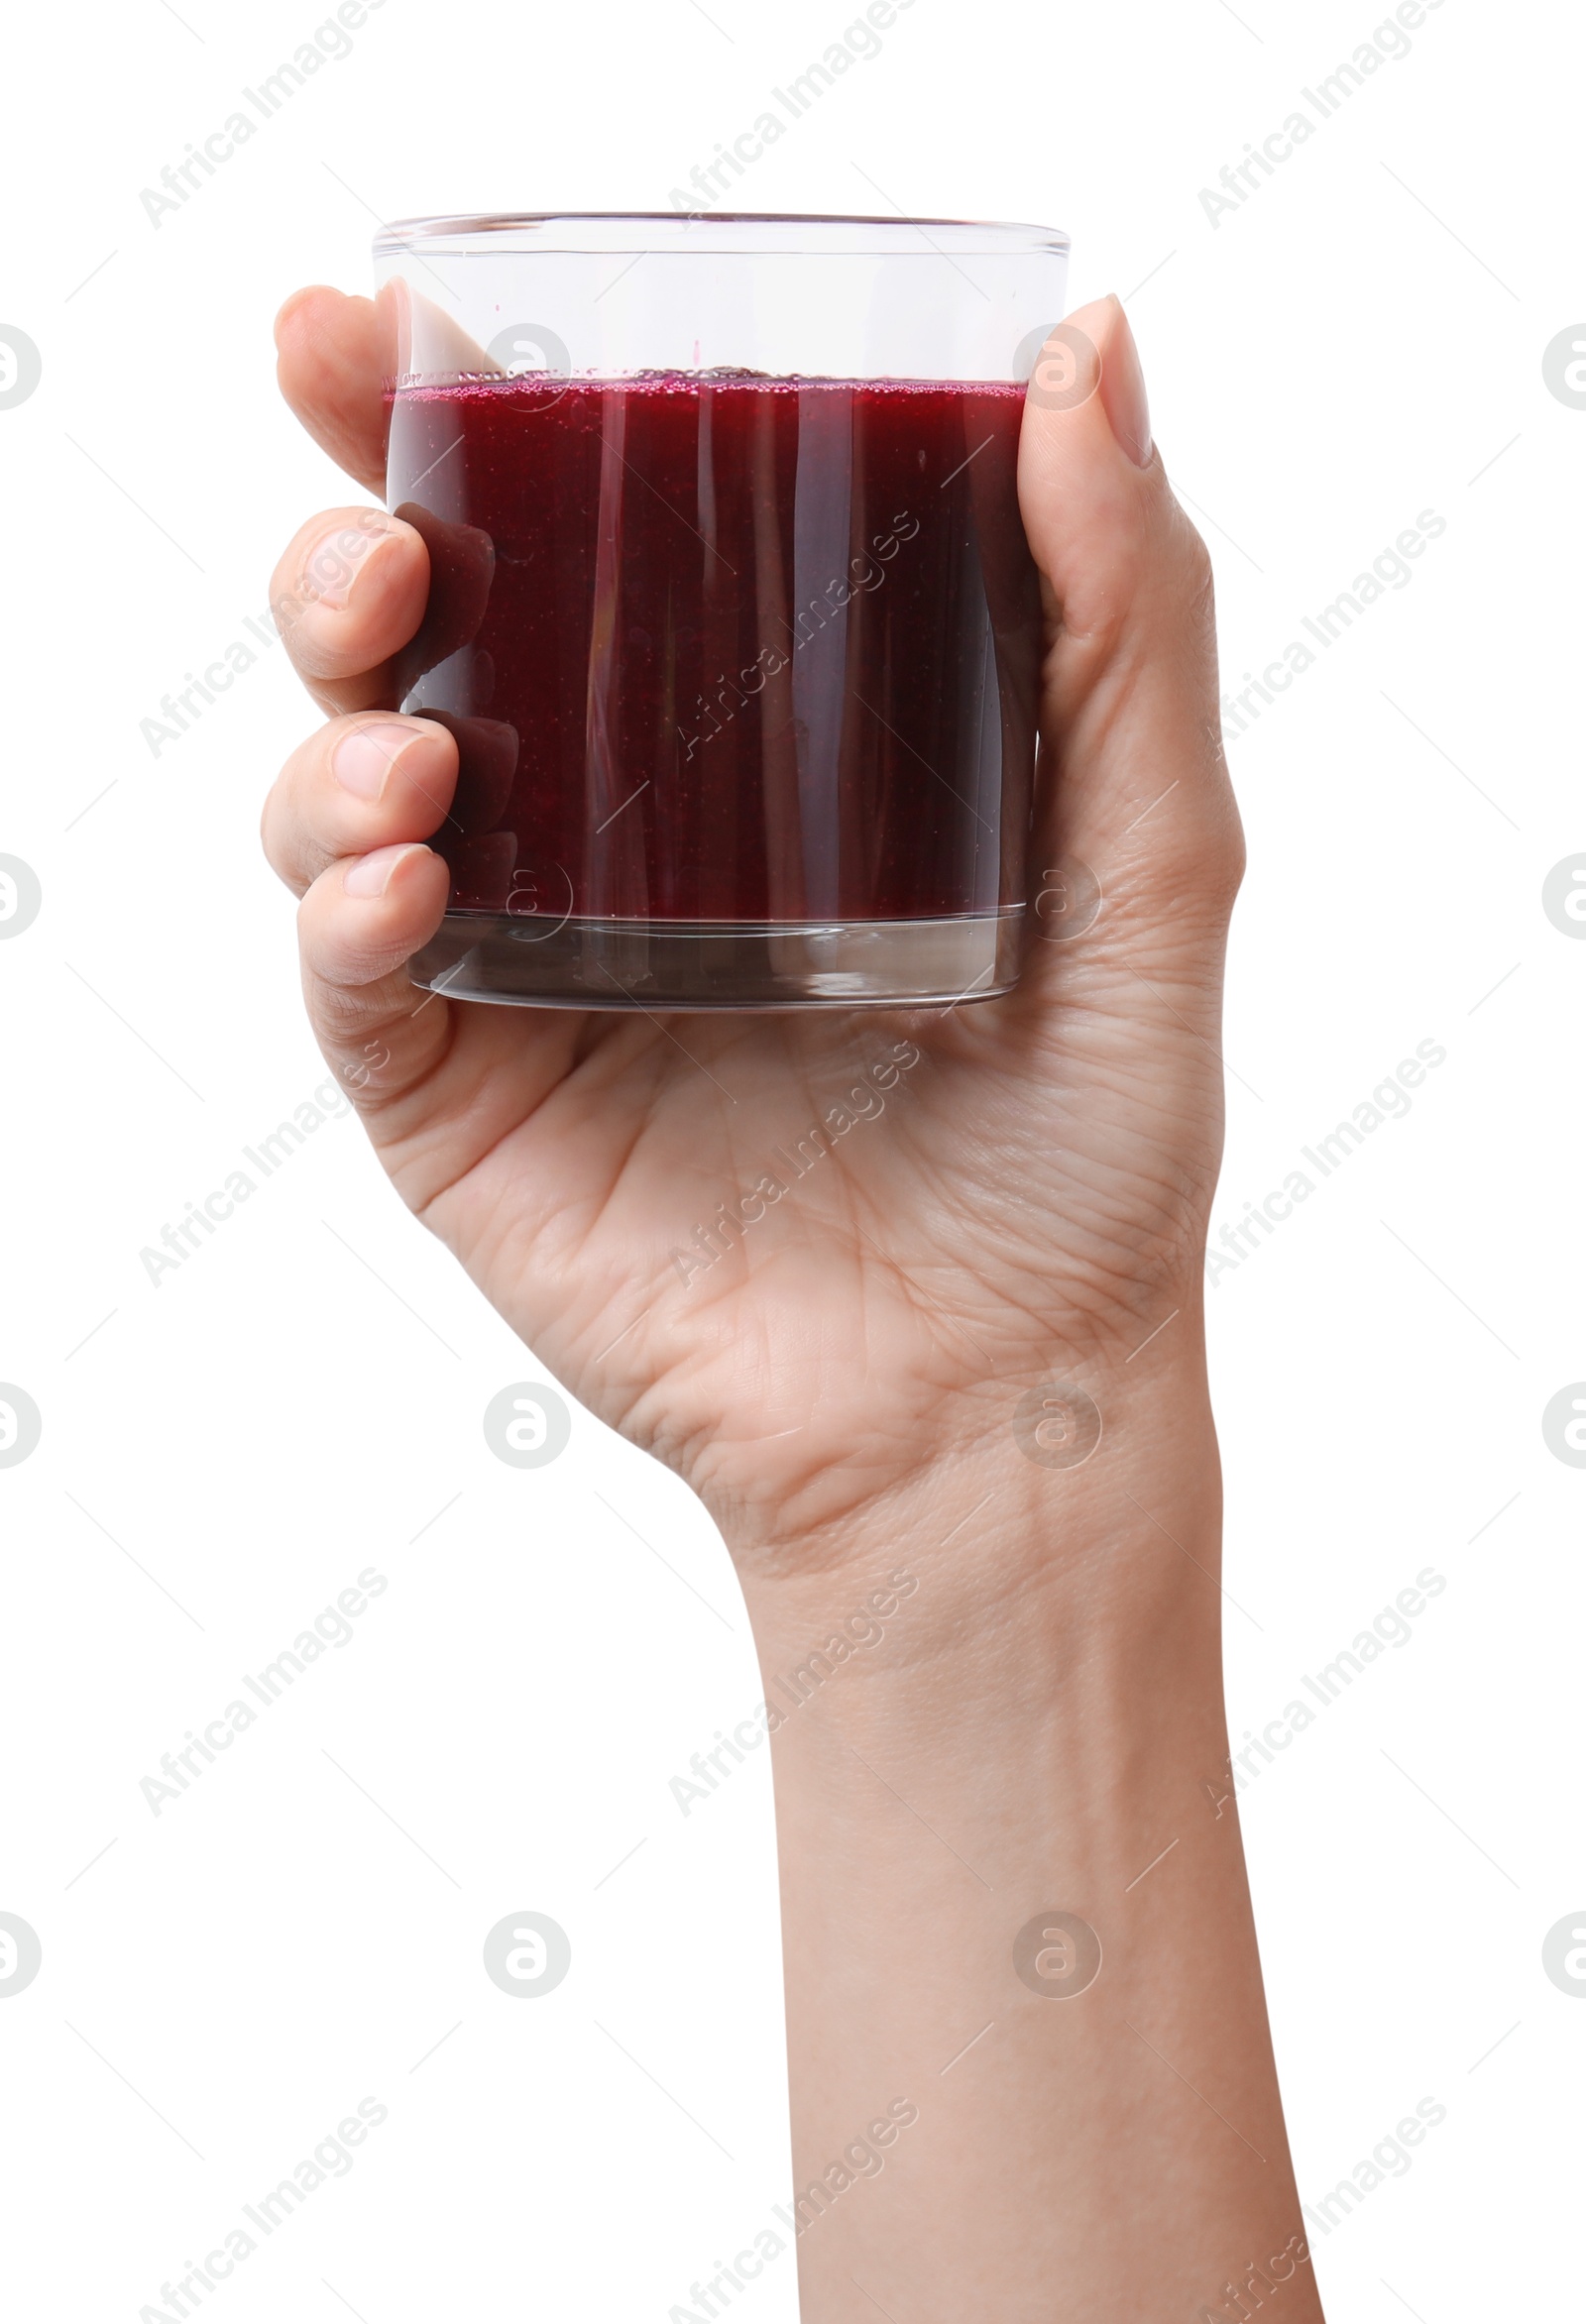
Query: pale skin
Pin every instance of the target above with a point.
(1041, 1728)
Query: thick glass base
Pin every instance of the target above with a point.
(722, 964)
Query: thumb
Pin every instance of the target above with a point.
(1134, 800)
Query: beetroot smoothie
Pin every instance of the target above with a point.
(725, 648)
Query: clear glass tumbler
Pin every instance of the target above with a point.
(731, 611)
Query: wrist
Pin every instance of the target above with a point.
(1050, 1523)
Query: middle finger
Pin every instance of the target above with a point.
(348, 594)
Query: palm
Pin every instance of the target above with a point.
(921, 1232)
(1019, 1188)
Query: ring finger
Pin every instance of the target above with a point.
(371, 780)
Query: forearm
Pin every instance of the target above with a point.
(1032, 1736)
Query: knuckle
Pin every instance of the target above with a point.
(343, 1015)
(323, 559)
(1226, 858)
(340, 955)
(1217, 849)
(275, 834)
(1191, 566)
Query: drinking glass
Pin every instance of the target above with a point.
(732, 612)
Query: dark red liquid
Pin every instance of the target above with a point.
(719, 647)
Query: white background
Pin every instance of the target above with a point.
(1359, 342)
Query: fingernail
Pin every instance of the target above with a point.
(363, 759)
(372, 874)
(336, 561)
(1124, 391)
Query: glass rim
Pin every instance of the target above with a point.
(903, 235)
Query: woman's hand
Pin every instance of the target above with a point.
(1011, 1192)
(1010, 1195)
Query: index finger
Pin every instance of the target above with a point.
(335, 356)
